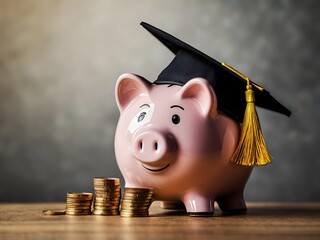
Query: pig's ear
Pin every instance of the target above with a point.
(128, 87)
(199, 89)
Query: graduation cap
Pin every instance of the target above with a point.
(237, 95)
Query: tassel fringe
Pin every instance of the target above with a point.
(251, 149)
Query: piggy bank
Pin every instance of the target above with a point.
(174, 140)
(178, 134)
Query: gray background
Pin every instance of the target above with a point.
(59, 61)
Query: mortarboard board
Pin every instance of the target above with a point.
(229, 86)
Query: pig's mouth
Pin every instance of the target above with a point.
(155, 170)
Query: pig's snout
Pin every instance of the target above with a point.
(151, 147)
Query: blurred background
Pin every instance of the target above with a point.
(60, 59)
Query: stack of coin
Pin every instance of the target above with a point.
(107, 193)
(136, 202)
(79, 203)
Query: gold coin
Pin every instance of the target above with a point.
(137, 195)
(73, 205)
(95, 212)
(54, 212)
(135, 201)
(106, 182)
(78, 212)
(106, 214)
(104, 195)
(129, 208)
(102, 199)
(107, 193)
(79, 203)
(138, 200)
(106, 179)
(131, 194)
(106, 210)
(104, 202)
(105, 205)
(137, 192)
(106, 185)
(134, 190)
(83, 195)
(107, 188)
(76, 199)
(135, 205)
(134, 210)
(77, 208)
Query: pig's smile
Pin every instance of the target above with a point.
(155, 170)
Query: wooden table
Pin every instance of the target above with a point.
(263, 220)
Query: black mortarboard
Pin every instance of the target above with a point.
(228, 84)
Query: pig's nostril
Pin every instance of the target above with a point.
(156, 146)
(141, 145)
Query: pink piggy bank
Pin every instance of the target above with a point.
(174, 140)
(178, 134)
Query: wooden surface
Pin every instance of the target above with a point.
(263, 221)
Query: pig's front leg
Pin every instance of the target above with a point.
(198, 205)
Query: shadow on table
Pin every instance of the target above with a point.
(260, 211)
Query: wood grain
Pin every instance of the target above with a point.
(263, 220)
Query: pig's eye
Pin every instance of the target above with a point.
(141, 116)
(175, 119)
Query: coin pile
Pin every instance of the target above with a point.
(78, 203)
(107, 195)
(136, 202)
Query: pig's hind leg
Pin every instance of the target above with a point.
(233, 204)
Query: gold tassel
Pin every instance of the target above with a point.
(251, 150)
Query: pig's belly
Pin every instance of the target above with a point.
(232, 181)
